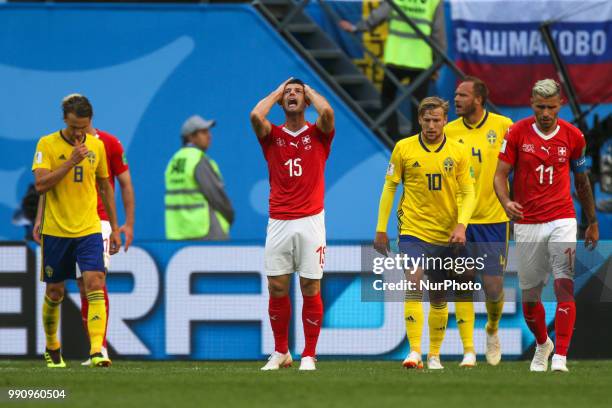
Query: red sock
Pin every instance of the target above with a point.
(107, 315)
(312, 318)
(565, 315)
(535, 317)
(279, 310)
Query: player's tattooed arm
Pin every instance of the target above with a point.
(260, 124)
(585, 196)
(325, 122)
(108, 199)
(500, 183)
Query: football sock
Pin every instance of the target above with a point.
(312, 318)
(107, 315)
(414, 319)
(535, 317)
(279, 311)
(464, 314)
(84, 309)
(438, 318)
(51, 316)
(565, 316)
(96, 320)
(494, 313)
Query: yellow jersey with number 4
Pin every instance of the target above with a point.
(70, 207)
(432, 176)
(483, 142)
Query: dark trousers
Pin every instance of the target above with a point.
(389, 91)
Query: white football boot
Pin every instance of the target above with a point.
(433, 363)
(559, 363)
(104, 352)
(308, 364)
(469, 360)
(278, 360)
(541, 355)
(413, 360)
(493, 349)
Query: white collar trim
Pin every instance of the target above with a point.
(542, 135)
(296, 133)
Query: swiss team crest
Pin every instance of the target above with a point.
(448, 164)
(305, 139)
(491, 137)
(562, 151)
(91, 156)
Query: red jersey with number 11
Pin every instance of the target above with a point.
(296, 163)
(116, 163)
(542, 169)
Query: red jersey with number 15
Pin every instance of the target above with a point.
(116, 163)
(296, 163)
(542, 169)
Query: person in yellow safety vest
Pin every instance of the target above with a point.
(406, 54)
(196, 204)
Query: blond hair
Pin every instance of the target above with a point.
(431, 103)
(546, 88)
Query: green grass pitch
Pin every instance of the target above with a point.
(334, 384)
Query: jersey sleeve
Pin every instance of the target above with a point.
(42, 157)
(102, 169)
(395, 169)
(466, 200)
(577, 160)
(508, 148)
(117, 159)
(265, 142)
(326, 138)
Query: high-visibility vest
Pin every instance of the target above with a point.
(187, 210)
(404, 48)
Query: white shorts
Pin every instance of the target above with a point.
(296, 246)
(106, 232)
(542, 248)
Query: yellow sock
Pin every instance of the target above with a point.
(51, 316)
(438, 318)
(464, 314)
(96, 320)
(494, 313)
(414, 319)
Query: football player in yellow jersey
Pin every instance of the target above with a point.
(67, 166)
(434, 171)
(482, 132)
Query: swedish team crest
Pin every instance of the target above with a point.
(448, 164)
(49, 271)
(91, 156)
(492, 137)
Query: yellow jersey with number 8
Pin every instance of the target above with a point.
(70, 207)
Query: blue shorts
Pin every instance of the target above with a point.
(417, 248)
(489, 241)
(60, 256)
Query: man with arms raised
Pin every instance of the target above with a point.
(296, 153)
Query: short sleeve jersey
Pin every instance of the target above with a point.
(296, 165)
(70, 207)
(541, 166)
(483, 141)
(116, 162)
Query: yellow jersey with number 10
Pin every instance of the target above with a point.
(70, 207)
(432, 176)
(483, 142)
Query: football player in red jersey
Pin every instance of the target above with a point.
(542, 150)
(296, 152)
(117, 168)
